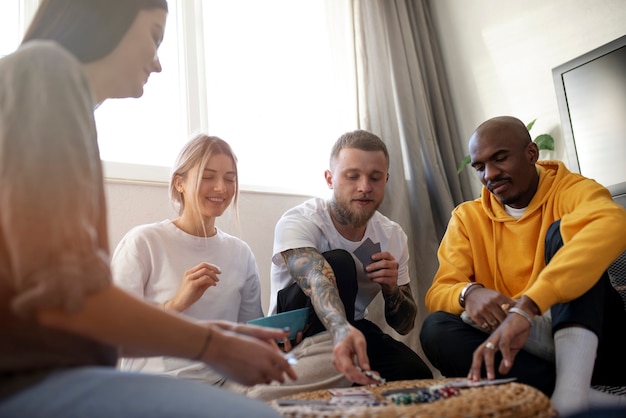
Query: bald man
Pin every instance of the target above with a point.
(504, 302)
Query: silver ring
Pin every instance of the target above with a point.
(490, 346)
(484, 325)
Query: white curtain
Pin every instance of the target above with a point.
(401, 95)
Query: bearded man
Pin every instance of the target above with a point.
(338, 254)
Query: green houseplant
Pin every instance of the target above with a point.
(543, 141)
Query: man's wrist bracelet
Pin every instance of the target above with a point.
(523, 313)
(468, 287)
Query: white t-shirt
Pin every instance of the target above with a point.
(310, 225)
(150, 262)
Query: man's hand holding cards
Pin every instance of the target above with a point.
(366, 250)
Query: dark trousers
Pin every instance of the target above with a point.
(449, 343)
(388, 356)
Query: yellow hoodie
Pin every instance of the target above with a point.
(484, 244)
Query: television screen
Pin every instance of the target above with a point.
(591, 94)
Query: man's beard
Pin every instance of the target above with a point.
(345, 216)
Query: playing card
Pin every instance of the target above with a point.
(351, 391)
(352, 396)
(469, 384)
(298, 402)
(365, 251)
(291, 359)
(353, 400)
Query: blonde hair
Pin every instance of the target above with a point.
(196, 153)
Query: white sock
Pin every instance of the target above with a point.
(575, 351)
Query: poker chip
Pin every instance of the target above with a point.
(423, 395)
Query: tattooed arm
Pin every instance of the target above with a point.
(314, 275)
(400, 309)
(316, 278)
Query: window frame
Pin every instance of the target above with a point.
(195, 118)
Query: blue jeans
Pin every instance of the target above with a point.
(102, 392)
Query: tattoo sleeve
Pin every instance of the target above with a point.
(314, 275)
(400, 309)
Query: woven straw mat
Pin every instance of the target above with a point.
(511, 400)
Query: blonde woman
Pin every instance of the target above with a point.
(187, 264)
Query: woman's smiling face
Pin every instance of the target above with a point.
(217, 186)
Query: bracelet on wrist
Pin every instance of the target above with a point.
(205, 345)
(523, 313)
(468, 287)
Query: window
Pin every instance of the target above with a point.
(14, 18)
(264, 76)
(139, 139)
(260, 75)
(9, 22)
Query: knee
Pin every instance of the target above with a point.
(553, 240)
(433, 327)
(344, 267)
(339, 258)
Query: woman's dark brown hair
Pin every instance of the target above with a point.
(89, 29)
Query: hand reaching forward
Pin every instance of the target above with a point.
(247, 354)
(509, 338)
(195, 282)
(352, 347)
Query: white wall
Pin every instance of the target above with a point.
(499, 55)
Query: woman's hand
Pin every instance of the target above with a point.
(247, 354)
(195, 282)
(287, 344)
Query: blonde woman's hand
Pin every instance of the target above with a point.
(195, 282)
(287, 344)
